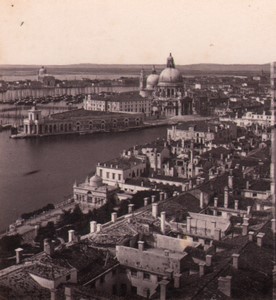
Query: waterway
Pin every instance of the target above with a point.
(35, 172)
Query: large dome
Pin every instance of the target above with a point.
(152, 80)
(170, 76)
(96, 181)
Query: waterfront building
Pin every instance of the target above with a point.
(129, 102)
(116, 171)
(167, 91)
(78, 121)
(93, 193)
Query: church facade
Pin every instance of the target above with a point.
(166, 91)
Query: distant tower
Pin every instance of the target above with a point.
(142, 80)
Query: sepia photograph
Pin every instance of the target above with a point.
(137, 149)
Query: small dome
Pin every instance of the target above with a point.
(152, 80)
(170, 76)
(95, 181)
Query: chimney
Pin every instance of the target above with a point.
(230, 181)
(188, 222)
(202, 269)
(155, 210)
(258, 206)
(176, 279)
(163, 220)
(36, 230)
(54, 294)
(235, 260)
(201, 200)
(153, 197)
(226, 197)
(146, 201)
(251, 236)
(273, 225)
(215, 202)
(245, 226)
(248, 210)
(217, 235)
(165, 195)
(236, 204)
(260, 237)
(18, 254)
(208, 260)
(48, 247)
(99, 227)
(130, 208)
(141, 245)
(68, 293)
(93, 226)
(113, 217)
(163, 289)
(224, 285)
(71, 236)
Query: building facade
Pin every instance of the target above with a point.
(78, 121)
(167, 91)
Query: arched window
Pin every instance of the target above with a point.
(78, 126)
(61, 127)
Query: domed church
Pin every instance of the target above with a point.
(166, 91)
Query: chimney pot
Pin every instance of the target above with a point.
(114, 217)
(208, 260)
(235, 260)
(163, 221)
(141, 245)
(93, 226)
(155, 210)
(260, 237)
(251, 236)
(18, 253)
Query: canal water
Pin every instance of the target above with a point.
(35, 172)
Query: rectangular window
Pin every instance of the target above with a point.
(119, 176)
(101, 173)
(134, 273)
(113, 175)
(107, 174)
(147, 276)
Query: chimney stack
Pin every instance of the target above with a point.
(216, 202)
(146, 201)
(153, 197)
(68, 293)
(235, 260)
(202, 269)
(48, 247)
(251, 236)
(71, 236)
(155, 210)
(201, 200)
(130, 208)
(163, 289)
(245, 226)
(224, 285)
(230, 181)
(217, 235)
(99, 227)
(18, 254)
(208, 260)
(260, 237)
(93, 226)
(141, 245)
(114, 217)
(163, 221)
(226, 197)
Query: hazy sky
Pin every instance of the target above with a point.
(137, 31)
